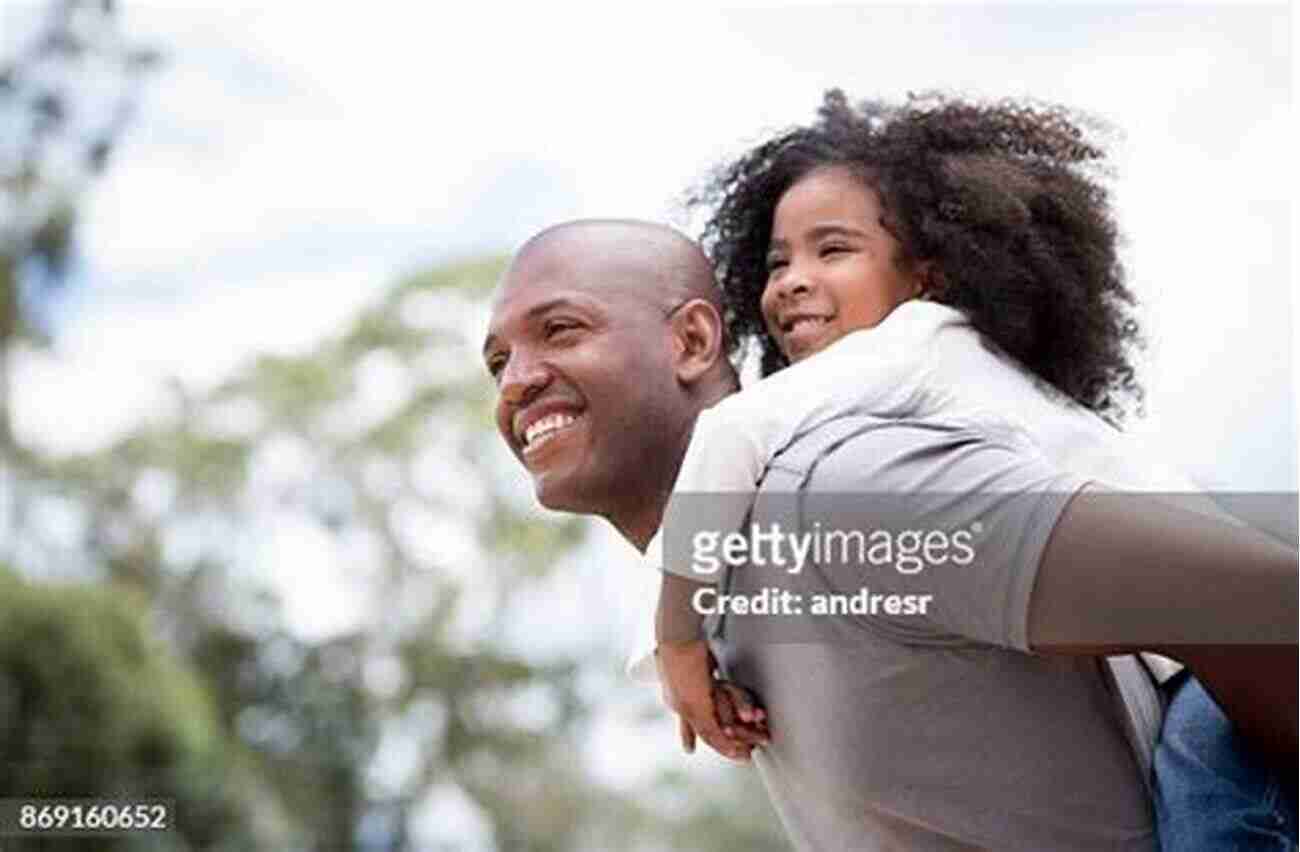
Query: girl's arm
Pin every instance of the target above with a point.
(1124, 573)
(724, 715)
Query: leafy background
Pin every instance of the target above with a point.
(142, 649)
(260, 549)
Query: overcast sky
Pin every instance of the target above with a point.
(290, 161)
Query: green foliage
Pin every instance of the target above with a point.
(295, 389)
(188, 664)
(413, 501)
(54, 97)
(64, 99)
(472, 279)
(91, 705)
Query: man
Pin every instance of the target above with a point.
(597, 396)
(605, 343)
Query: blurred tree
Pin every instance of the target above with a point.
(398, 713)
(392, 706)
(91, 706)
(64, 100)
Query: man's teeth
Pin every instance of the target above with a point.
(543, 429)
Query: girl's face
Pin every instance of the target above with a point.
(832, 266)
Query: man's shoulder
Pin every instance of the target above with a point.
(859, 451)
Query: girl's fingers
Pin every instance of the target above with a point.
(687, 734)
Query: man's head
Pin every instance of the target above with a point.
(605, 342)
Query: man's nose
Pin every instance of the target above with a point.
(522, 378)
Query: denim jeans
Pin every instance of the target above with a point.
(1209, 792)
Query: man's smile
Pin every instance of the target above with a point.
(543, 429)
(546, 430)
(539, 426)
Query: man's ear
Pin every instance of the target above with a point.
(697, 339)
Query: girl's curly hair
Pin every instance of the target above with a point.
(1005, 202)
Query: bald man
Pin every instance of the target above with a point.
(605, 346)
(606, 342)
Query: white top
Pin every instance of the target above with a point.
(923, 360)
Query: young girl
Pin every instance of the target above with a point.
(940, 259)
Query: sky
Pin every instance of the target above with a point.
(290, 161)
(293, 161)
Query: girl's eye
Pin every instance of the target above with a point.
(834, 249)
(495, 365)
(775, 263)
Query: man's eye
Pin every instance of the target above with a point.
(495, 365)
(554, 327)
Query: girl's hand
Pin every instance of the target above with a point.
(708, 706)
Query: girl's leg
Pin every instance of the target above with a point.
(1209, 792)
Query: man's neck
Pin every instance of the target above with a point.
(640, 536)
(642, 519)
(724, 385)
(639, 523)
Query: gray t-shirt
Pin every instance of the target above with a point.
(934, 730)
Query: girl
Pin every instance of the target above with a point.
(954, 260)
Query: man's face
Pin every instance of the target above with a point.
(581, 353)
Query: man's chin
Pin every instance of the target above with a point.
(558, 495)
(573, 495)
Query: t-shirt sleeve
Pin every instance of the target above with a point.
(951, 514)
(715, 485)
(726, 453)
(640, 664)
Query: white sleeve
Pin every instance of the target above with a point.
(716, 483)
(735, 439)
(640, 664)
(726, 454)
(723, 457)
(641, 661)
